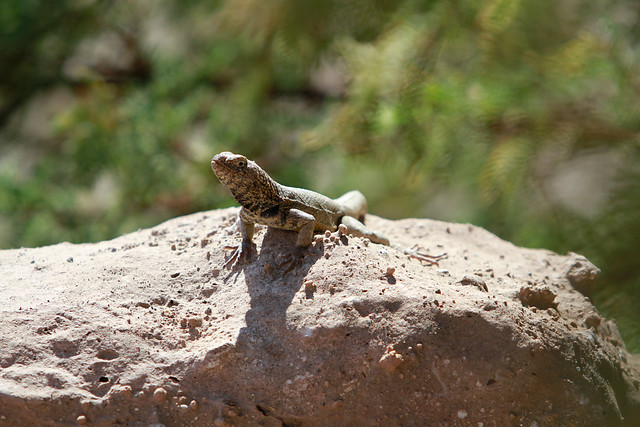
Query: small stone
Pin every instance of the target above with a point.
(593, 321)
(81, 419)
(195, 322)
(183, 408)
(582, 274)
(309, 286)
(193, 405)
(160, 395)
(541, 297)
(327, 234)
(159, 300)
(474, 281)
(390, 271)
(490, 306)
(336, 404)
(342, 229)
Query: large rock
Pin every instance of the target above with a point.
(147, 329)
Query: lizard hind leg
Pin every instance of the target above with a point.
(354, 203)
(358, 229)
(305, 223)
(293, 261)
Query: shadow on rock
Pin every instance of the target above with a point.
(272, 281)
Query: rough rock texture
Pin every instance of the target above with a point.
(146, 329)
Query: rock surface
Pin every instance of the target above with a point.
(146, 329)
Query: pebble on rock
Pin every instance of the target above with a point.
(390, 360)
(160, 395)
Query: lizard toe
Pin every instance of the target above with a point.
(293, 261)
(429, 259)
(242, 254)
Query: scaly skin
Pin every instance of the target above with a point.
(264, 201)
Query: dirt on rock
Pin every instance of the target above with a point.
(147, 329)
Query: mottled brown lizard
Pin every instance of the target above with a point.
(264, 201)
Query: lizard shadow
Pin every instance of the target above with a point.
(271, 291)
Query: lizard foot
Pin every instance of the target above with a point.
(294, 260)
(242, 254)
(429, 259)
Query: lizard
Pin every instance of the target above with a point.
(264, 201)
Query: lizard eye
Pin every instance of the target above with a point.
(241, 163)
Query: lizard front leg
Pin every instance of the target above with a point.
(308, 224)
(247, 248)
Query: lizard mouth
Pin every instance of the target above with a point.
(216, 165)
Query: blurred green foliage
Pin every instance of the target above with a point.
(522, 116)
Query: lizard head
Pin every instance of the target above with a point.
(243, 178)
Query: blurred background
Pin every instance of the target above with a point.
(521, 116)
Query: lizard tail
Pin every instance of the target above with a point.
(354, 203)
